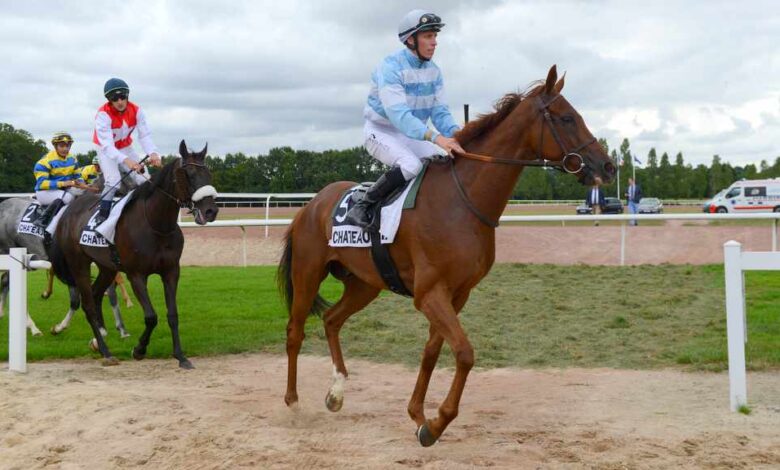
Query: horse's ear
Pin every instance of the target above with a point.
(183, 149)
(202, 153)
(559, 85)
(552, 77)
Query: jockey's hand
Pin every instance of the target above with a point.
(155, 160)
(448, 144)
(133, 165)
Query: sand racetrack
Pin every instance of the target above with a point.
(229, 412)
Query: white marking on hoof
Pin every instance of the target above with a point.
(336, 392)
(103, 332)
(93, 345)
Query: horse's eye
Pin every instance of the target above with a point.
(567, 118)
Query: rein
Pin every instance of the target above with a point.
(539, 161)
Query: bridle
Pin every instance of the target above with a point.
(540, 161)
(189, 203)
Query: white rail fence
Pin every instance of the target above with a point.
(624, 218)
(736, 262)
(17, 262)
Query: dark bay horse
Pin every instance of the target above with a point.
(444, 246)
(148, 240)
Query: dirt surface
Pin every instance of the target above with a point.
(230, 413)
(676, 242)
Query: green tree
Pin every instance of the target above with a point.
(19, 152)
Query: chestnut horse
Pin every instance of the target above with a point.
(444, 246)
(148, 241)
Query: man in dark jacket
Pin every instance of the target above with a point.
(595, 200)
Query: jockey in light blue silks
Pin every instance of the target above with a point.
(407, 90)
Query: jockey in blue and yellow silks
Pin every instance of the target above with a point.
(90, 173)
(407, 91)
(56, 178)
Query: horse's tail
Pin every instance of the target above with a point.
(60, 266)
(284, 279)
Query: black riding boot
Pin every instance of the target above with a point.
(45, 218)
(105, 209)
(386, 184)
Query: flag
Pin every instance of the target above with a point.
(637, 160)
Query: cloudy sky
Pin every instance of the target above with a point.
(701, 77)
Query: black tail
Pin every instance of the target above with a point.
(284, 279)
(61, 269)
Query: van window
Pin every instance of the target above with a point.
(755, 191)
(733, 193)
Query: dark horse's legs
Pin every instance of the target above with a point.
(138, 281)
(104, 279)
(442, 315)
(80, 270)
(170, 283)
(357, 294)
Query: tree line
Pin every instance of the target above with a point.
(285, 170)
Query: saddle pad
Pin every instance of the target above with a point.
(345, 235)
(27, 225)
(103, 234)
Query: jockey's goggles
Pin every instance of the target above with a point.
(116, 96)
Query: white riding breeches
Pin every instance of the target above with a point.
(111, 174)
(393, 148)
(50, 195)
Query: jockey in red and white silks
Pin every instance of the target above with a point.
(115, 123)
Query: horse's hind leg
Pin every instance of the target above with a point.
(103, 280)
(80, 271)
(75, 303)
(138, 282)
(49, 284)
(307, 275)
(114, 302)
(4, 286)
(120, 282)
(357, 294)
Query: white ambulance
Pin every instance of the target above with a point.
(749, 196)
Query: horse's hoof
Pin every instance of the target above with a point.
(186, 364)
(137, 355)
(93, 345)
(124, 334)
(424, 436)
(37, 333)
(291, 400)
(334, 403)
(45, 295)
(110, 361)
(54, 331)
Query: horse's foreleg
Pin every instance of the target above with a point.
(170, 284)
(32, 326)
(428, 363)
(75, 303)
(357, 294)
(138, 282)
(114, 302)
(120, 282)
(429, 359)
(439, 309)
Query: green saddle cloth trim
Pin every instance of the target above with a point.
(411, 196)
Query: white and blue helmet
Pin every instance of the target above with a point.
(417, 21)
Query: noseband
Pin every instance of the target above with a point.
(540, 161)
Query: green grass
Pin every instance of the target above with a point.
(638, 317)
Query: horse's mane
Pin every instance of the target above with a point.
(486, 122)
(158, 179)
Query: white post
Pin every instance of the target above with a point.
(243, 243)
(623, 243)
(267, 213)
(735, 323)
(17, 320)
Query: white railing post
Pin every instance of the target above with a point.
(267, 213)
(17, 320)
(735, 323)
(243, 243)
(623, 243)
